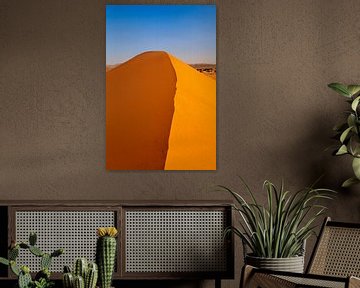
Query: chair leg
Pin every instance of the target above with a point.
(246, 273)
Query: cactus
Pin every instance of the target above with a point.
(32, 238)
(36, 251)
(24, 280)
(25, 269)
(14, 268)
(91, 276)
(90, 272)
(24, 245)
(24, 277)
(79, 282)
(80, 268)
(42, 278)
(45, 261)
(57, 253)
(13, 253)
(67, 269)
(106, 254)
(68, 280)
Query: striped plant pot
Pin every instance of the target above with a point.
(291, 264)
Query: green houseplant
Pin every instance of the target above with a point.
(348, 133)
(275, 233)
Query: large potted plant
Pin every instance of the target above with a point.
(348, 132)
(275, 233)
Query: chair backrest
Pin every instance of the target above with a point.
(337, 251)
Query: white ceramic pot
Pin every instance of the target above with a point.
(291, 264)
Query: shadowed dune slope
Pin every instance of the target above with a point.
(192, 140)
(139, 110)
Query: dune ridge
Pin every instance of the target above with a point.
(161, 114)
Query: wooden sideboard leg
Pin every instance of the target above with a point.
(217, 283)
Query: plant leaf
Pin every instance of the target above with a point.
(354, 144)
(349, 182)
(4, 261)
(351, 120)
(353, 89)
(342, 150)
(345, 134)
(355, 103)
(356, 167)
(248, 190)
(340, 88)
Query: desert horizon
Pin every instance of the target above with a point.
(208, 69)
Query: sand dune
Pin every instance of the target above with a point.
(161, 114)
(139, 110)
(192, 141)
(110, 67)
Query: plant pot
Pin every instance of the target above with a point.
(291, 264)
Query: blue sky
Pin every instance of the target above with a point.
(186, 31)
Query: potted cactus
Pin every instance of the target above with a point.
(106, 254)
(85, 275)
(42, 278)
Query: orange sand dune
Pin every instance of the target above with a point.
(139, 110)
(160, 114)
(192, 142)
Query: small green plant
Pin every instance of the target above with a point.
(279, 229)
(348, 132)
(43, 283)
(85, 275)
(42, 278)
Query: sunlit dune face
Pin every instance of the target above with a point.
(192, 142)
(161, 114)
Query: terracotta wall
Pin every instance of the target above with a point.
(275, 113)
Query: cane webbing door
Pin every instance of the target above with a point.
(167, 241)
(73, 230)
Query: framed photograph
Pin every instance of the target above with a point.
(161, 87)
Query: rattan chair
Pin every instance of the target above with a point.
(334, 263)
